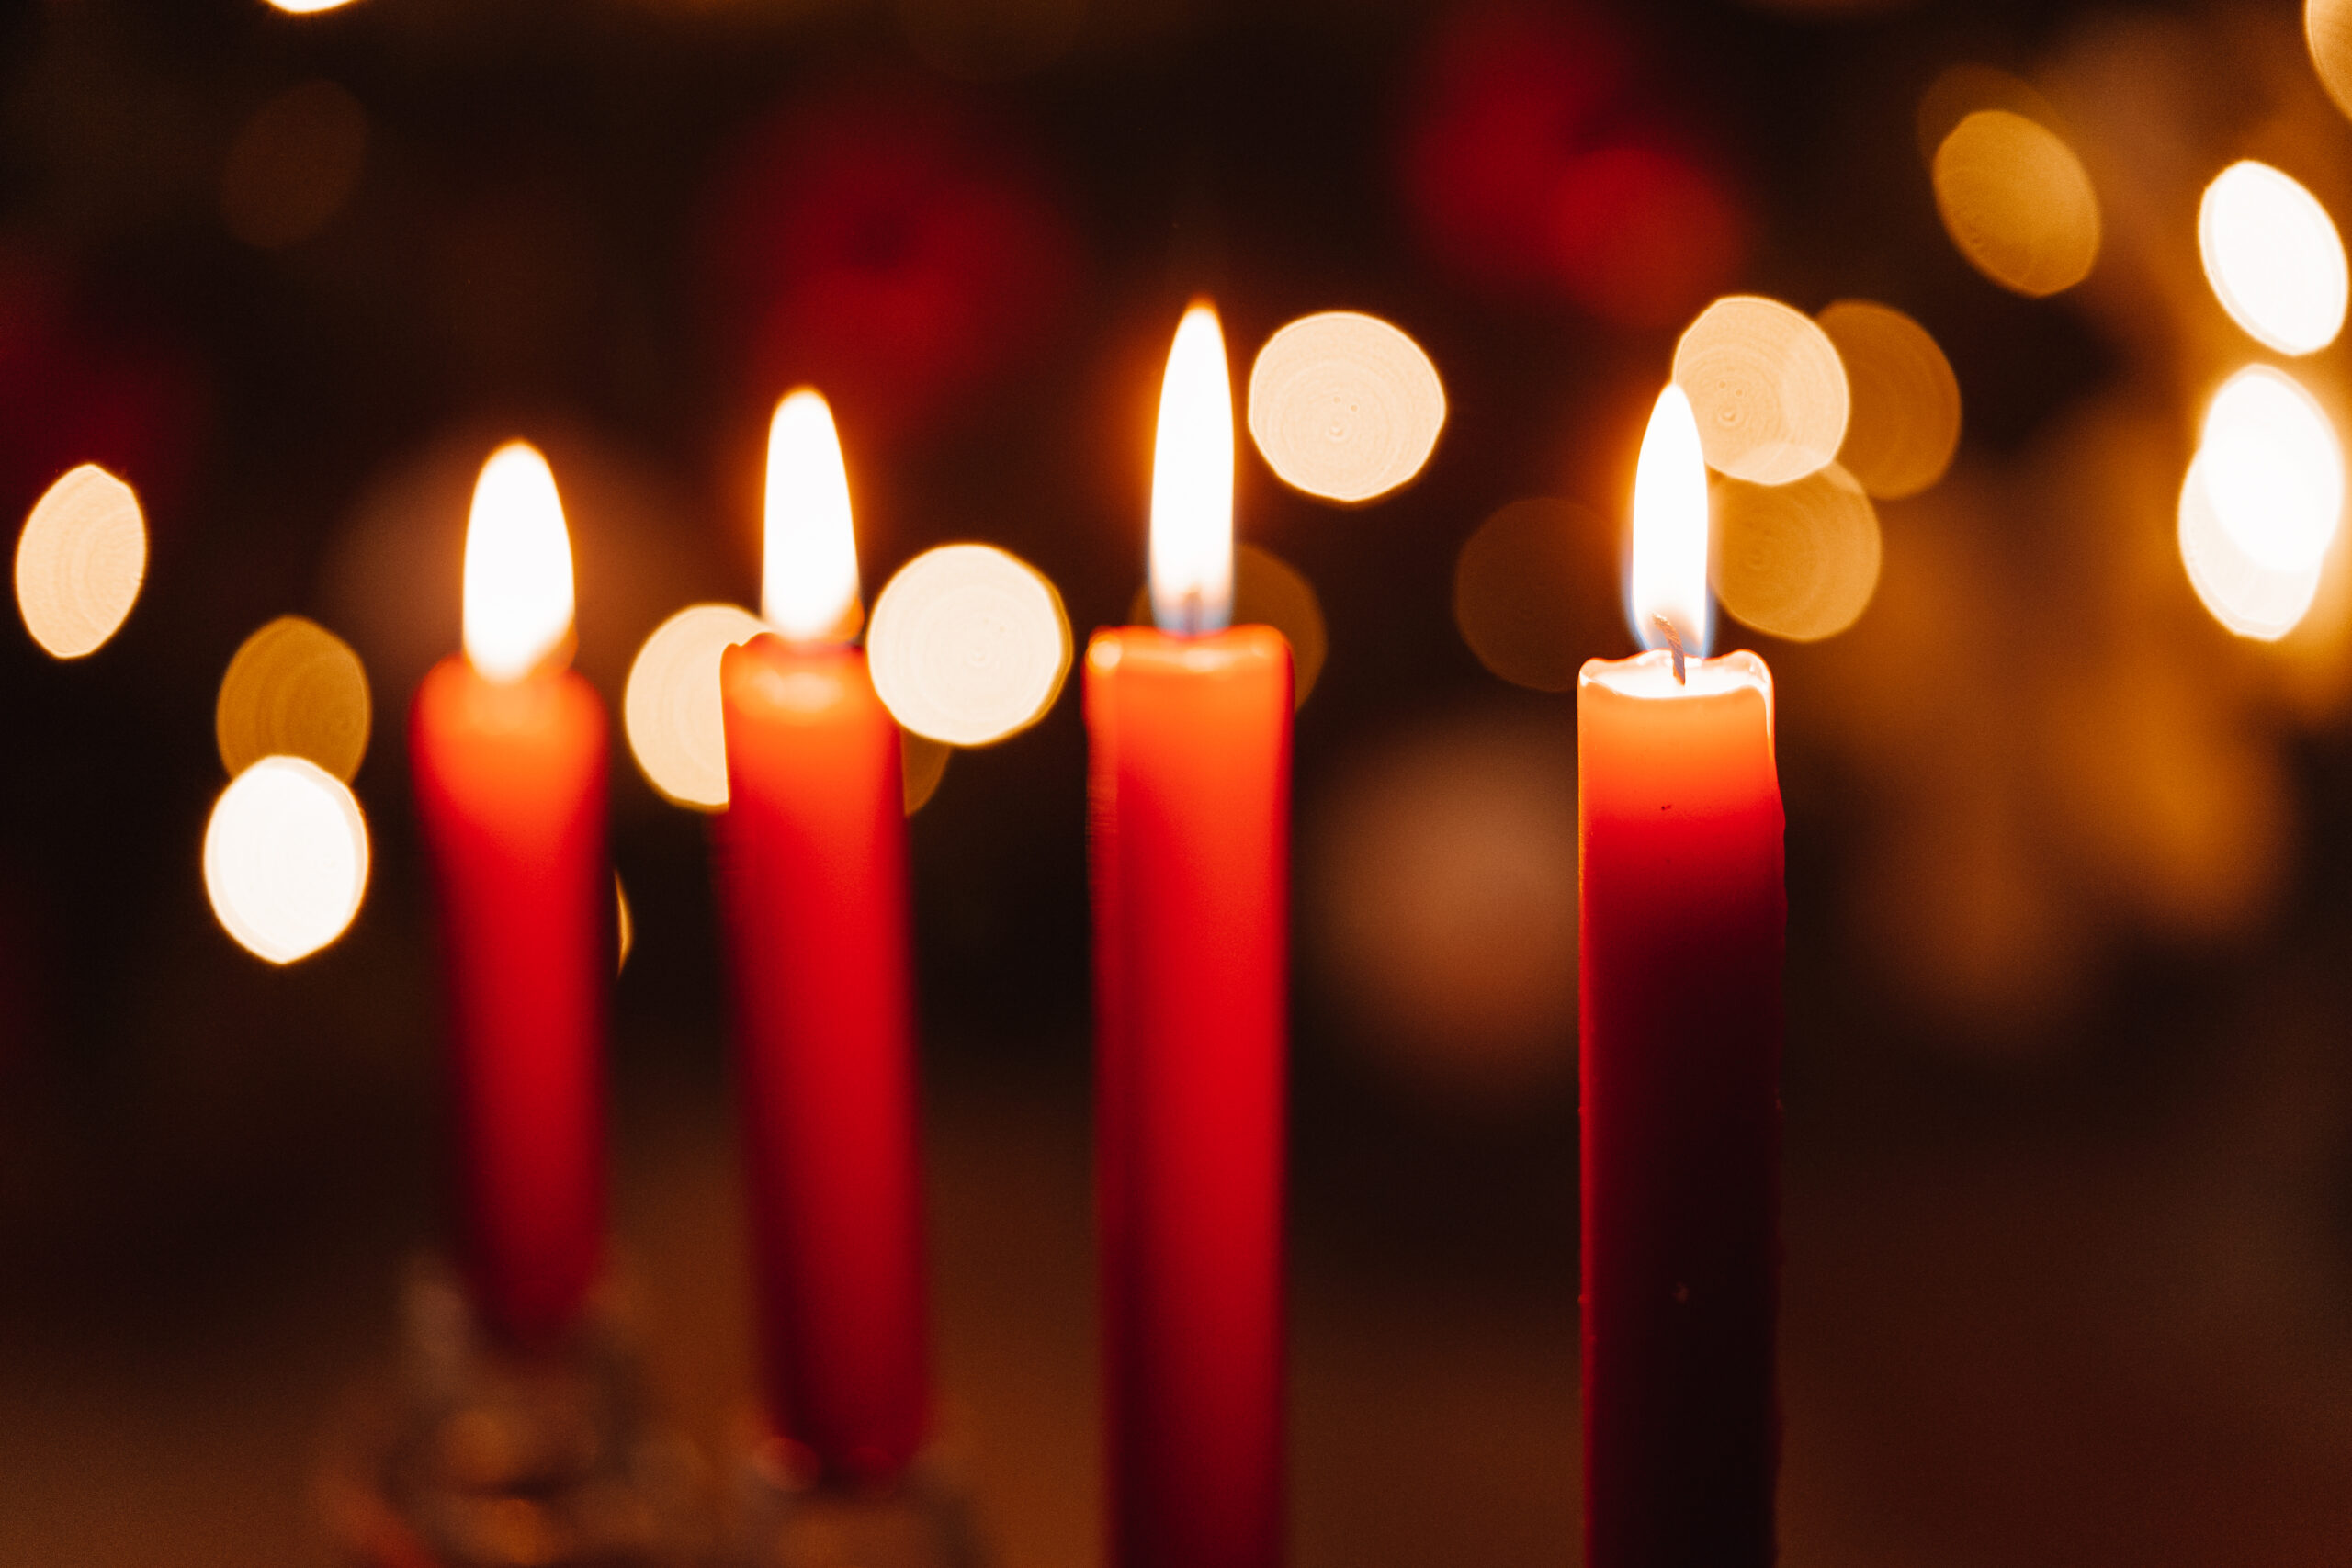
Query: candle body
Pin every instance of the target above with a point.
(813, 879)
(1190, 804)
(1683, 916)
(510, 787)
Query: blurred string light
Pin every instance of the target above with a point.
(2327, 29)
(79, 562)
(2261, 502)
(293, 689)
(286, 858)
(671, 707)
(969, 645)
(1904, 423)
(294, 166)
(1765, 387)
(1344, 406)
(1269, 592)
(1797, 561)
(2016, 201)
(2273, 256)
(1514, 584)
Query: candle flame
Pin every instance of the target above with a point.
(518, 566)
(1669, 576)
(1191, 483)
(809, 583)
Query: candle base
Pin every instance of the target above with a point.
(787, 1519)
(478, 1455)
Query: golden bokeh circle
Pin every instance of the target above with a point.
(670, 708)
(2017, 202)
(2251, 598)
(1798, 560)
(293, 689)
(1905, 420)
(923, 763)
(286, 858)
(1515, 585)
(1269, 592)
(1765, 387)
(969, 645)
(2273, 257)
(2327, 29)
(79, 562)
(1344, 406)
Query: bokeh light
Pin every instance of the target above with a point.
(969, 645)
(286, 858)
(671, 707)
(294, 166)
(1269, 592)
(2327, 29)
(1442, 902)
(624, 925)
(1904, 423)
(1344, 406)
(2253, 600)
(1766, 388)
(1516, 583)
(2273, 256)
(2272, 467)
(79, 562)
(2017, 202)
(1797, 561)
(1962, 90)
(923, 763)
(518, 566)
(293, 689)
(1640, 234)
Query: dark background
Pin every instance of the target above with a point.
(2070, 1147)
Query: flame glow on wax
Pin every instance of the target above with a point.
(1191, 483)
(518, 566)
(809, 562)
(1670, 547)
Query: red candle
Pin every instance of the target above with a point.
(1190, 789)
(1682, 926)
(813, 884)
(507, 748)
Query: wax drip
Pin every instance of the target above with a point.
(1673, 641)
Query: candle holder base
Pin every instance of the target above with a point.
(479, 1455)
(789, 1518)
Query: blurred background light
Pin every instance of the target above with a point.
(1961, 90)
(2273, 256)
(305, 8)
(79, 562)
(2327, 30)
(1642, 233)
(293, 165)
(1344, 406)
(286, 858)
(1269, 592)
(2017, 202)
(2250, 598)
(670, 708)
(1765, 387)
(1904, 423)
(293, 689)
(1798, 560)
(624, 925)
(969, 645)
(1516, 583)
(2272, 469)
(923, 763)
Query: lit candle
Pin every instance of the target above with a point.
(1682, 922)
(813, 885)
(507, 748)
(1190, 785)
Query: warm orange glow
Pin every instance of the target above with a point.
(1191, 483)
(1669, 575)
(306, 7)
(294, 689)
(286, 858)
(1765, 387)
(79, 562)
(2273, 256)
(2327, 29)
(1905, 424)
(518, 566)
(1800, 560)
(809, 567)
(969, 645)
(2017, 202)
(670, 708)
(923, 763)
(625, 924)
(1344, 406)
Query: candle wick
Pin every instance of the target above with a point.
(1673, 641)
